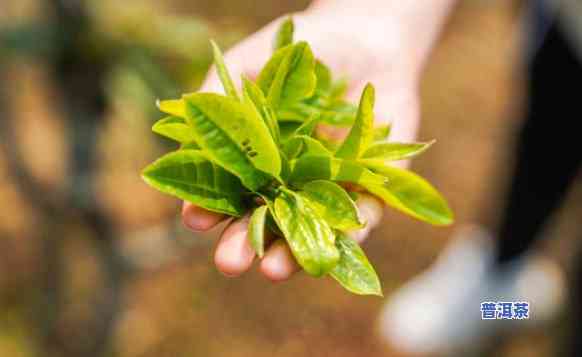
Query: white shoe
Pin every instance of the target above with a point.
(440, 310)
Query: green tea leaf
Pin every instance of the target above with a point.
(285, 167)
(339, 88)
(289, 76)
(293, 148)
(284, 36)
(254, 94)
(323, 75)
(313, 147)
(270, 220)
(256, 232)
(175, 107)
(189, 146)
(287, 129)
(174, 128)
(339, 113)
(308, 126)
(320, 167)
(382, 132)
(304, 145)
(393, 151)
(362, 133)
(299, 113)
(188, 175)
(234, 137)
(222, 71)
(336, 113)
(411, 194)
(311, 239)
(333, 203)
(354, 272)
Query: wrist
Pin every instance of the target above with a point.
(405, 31)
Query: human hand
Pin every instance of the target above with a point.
(356, 44)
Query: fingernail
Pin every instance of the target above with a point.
(370, 210)
(234, 255)
(192, 224)
(360, 235)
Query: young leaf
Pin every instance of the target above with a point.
(339, 88)
(284, 36)
(382, 132)
(175, 107)
(362, 133)
(323, 75)
(189, 146)
(299, 113)
(233, 137)
(393, 151)
(304, 145)
(287, 129)
(411, 194)
(353, 271)
(308, 126)
(333, 203)
(285, 167)
(340, 113)
(336, 113)
(174, 128)
(222, 71)
(188, 175)
(289, 76)
(254, 94)
(256, 233)
(311, 239)
(319, 167)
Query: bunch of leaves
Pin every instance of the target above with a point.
(256, 152)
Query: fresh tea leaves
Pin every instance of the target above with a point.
(395, 151)
(174, 128)
(310, 237)
(257, 152)
(353, 271)
(256, 230)
(284, 36)
(234, 137)
(333, 203)
(188, 175)
(223, 74)
(362, 132)
(411, 194)
(289, 76)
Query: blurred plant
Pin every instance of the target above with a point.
(94, 51)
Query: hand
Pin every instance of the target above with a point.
(356, 44)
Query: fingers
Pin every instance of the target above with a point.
(278, 264)
(234, 254)
(371, 211)
(198, 219)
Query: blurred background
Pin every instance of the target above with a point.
(95, 263)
